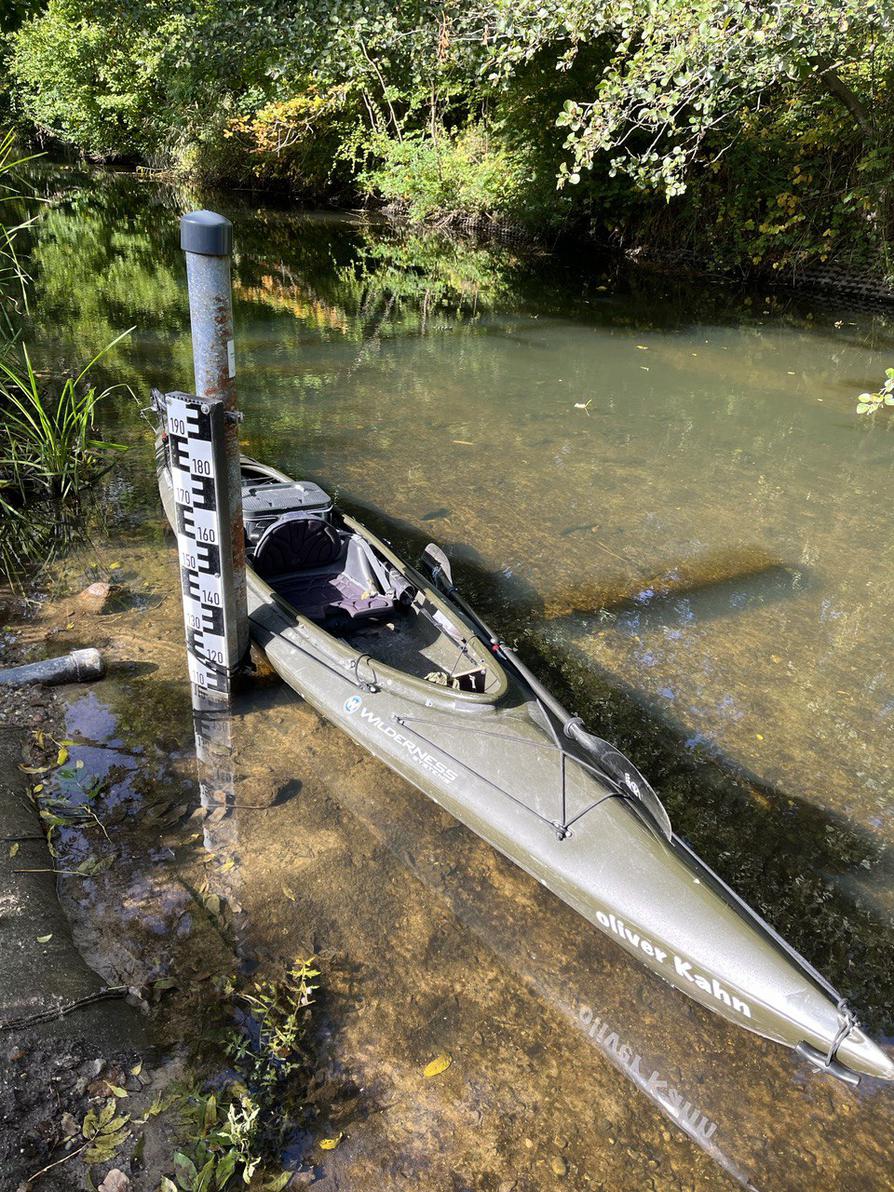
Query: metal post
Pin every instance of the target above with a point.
(207, 241)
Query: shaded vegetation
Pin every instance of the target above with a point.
(49, 450)
(749, 135)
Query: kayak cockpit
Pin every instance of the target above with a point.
(327, 570)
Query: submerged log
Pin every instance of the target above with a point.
(77, 667)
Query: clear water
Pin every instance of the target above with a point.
(664, 496)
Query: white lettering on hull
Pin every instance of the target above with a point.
(684, 969)
(426, 760)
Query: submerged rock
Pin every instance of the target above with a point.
(100, 596)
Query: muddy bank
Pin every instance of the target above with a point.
(47, 985)
(66, 1037)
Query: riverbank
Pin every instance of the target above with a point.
(67, 1039)
(771, 156)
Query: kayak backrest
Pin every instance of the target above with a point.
(296, 542)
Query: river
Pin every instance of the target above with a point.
(661, 492)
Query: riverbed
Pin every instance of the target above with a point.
(662, 494)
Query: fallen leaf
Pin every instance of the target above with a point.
(34, 769)
(79, 765)
(114, 566)
(44, 939)
(290, 894)
(13, 849)
(186, 1169)
(278, 1182)
(62, 756)
(137, 1069)
(642, 347)
(438, 1065)
(70, 625)
(116, 1090)
(35, 790)
(329, 1144)
(115, 1181)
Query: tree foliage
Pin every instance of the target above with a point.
(546, 110)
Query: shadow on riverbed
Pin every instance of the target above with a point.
(801, 866)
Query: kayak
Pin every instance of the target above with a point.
(397, 659)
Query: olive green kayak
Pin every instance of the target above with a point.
(401, 663)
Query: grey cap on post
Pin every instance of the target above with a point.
(206, 233)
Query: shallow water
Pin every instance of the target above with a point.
(665, 497)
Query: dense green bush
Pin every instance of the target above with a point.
(749, 133)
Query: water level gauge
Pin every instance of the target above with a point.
(196, 450)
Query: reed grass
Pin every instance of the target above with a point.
(48, 445)
(50, 453)
(13, 276)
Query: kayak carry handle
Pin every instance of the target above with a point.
(822, 1063)
(438, 563)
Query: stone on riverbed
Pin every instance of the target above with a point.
(100, 596)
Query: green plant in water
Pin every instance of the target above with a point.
(49, 443)
(49, 455)
(868, 403)
(234, 1131)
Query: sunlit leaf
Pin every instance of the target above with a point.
(438, 1065)
(90, 1124)
(329, 1144)
(203, 1181)
(226, 1165)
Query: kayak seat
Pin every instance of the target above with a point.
(294, 542)
(324, 574)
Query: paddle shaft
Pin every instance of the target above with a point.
(568, 722)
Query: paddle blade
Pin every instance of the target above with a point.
(438, 563)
